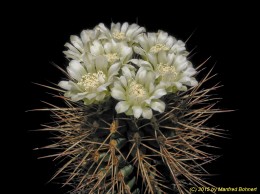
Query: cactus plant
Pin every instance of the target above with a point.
(135, 115)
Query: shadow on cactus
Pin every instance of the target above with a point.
(135, 116)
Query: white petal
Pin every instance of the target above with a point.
(139, 31)
(152, 58)
(159, 93)
(97, 49)
(135, 61)
(147, 113)
(124, 27)
(190, 71)
(151, 87)
(121, 107)
(126, 72)
(184, 79)
(118, 94)
(103, 29)
(90, 67)
(91, 96)
(78, 96)
(100, 96)
(132, 28)
(192, 82)
(162, 58)
(178, 85)
(76, 70)
(139, 50)
(158, 106)
(72, 48)
(65, 85)
(180, 63)
(118, 86)
(170, 41)
(152, 38)
(137, 111)
(113, 70)
(170, 58)
(102, 88)
(101, 64)
(142, 40)
(84, 35)
(162, 37)
(115, 27)
(108, 47)
(72, 55)
(123, 81)
(75, 40)
(126, 53)
(150, 78)
(141, 76)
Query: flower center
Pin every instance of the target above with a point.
(137, 92)
(159, 47)
(91, 81)
(119, 35)
(168, 72)
(112, 57)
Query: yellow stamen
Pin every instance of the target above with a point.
(159, 47)
(119, 35)
(112, 57)
(91, 81)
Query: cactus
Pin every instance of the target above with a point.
(135, 116)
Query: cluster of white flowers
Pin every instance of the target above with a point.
(126, 63)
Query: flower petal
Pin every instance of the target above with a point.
(147, 113)
(78, 96)
(162, 37)
(72, 48)
(126, 72)
(141, 76)
(101, 64)
(100, 96)
(123, 81)
(126, 53)
(142, 40)
(102, 88)
(158, 106)
(65, 85)
(113, 70)
(124, 27)
(96, 49)
(137, 111)
(152, 58)
(121, 107)
(76, 70)
(76, 41)
(91, 96)
(118, 94)
(159, 93)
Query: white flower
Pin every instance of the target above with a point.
(103, 64)
(138, 94)
(79, 46)
(118, 32)
(153, 43)
(90, 80)
(172, 72)
(112, 50)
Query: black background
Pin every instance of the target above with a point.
(228, 33)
